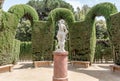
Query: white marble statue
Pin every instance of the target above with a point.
(61, 36)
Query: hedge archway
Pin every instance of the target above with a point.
(102, 9)
(9, 21)
(57, 14)
(24, 10)
(61, 13)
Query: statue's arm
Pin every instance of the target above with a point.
(66, 31)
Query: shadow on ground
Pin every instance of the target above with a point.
(101, 72)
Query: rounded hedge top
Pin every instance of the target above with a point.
(102, 9)
(61, 13)
(22, 9)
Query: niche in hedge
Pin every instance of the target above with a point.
(101, 29)
(103, 46)
(53, 18)
(24, 34)
(25, 15)
(55, 36)
(24, 30)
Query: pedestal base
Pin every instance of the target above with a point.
(60, 79)
(60, 66)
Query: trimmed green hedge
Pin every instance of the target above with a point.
(115, 36)
(82, 37)
(61, 13)
(42, 41)
(79, 41)
(21, 10)
(92, 43)
(8, 24)
(43, 33)
(57, 14)
(102, 9)
(15, 51)
(7, 33)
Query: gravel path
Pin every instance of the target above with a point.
(26, 72)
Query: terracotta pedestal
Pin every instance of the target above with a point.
(60, 66)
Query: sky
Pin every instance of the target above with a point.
(75, 3)
(91, 3)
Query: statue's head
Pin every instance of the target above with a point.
(61, 21)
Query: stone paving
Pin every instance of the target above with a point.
(26, 72)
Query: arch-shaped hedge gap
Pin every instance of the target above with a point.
(57, 14)
(102, 9)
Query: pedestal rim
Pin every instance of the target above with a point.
(60, 53)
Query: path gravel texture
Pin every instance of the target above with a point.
(24, 71)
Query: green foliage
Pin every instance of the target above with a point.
(79, 41)
(102, 9)
(24, 31)
(103, 50)
(42, 41)
(44, 7)
(43, 33)
(15, 51)
(8, 25)
(24, 10)
(7, 32)
(115, 36)
(101, 30)
(82, 35)
(1, 19)
(25, 51)
(57, 14)
(61, 13)
(81, 13)
(93, 43)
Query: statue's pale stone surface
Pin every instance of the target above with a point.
(61, 36)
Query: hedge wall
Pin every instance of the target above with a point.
(79, 41)
(8, 24)
(7, 33)
(82, 38)
(25, 51)
(115, 36)
(42, 41)
(43, 33)
(83, 45)
(15, 51)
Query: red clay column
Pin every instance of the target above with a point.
(60, 66)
